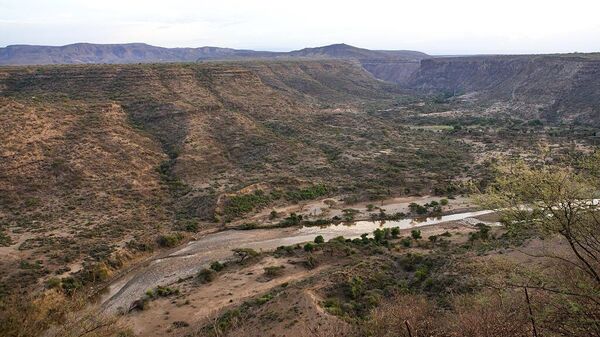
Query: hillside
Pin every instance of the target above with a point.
(123, 184)
(559, 88)
(98, 156)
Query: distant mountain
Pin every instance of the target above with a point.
(389, 65)
(85, 53)
(349, 52)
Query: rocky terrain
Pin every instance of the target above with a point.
(133, 176)
(95, 158)
(558, 88)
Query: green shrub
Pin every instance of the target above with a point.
(395, 232)
(53, 282)
(248, 226)
(310, 262)
(378, 235)
(274, 271)
(416, 208)
(164, 291)
(292, 220)
(264, 299)
(189, 225)
(415, 234)
(349, 213)
(406, 242)
(217, 266)
(319, 239)
(309, 193)
(206, 275)
(245, 253)
(309, 247)
(241, 204)
(171, 240)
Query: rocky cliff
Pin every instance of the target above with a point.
(555, 87)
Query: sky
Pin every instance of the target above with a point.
(451, 27)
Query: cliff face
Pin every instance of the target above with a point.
(395, 71)
(552, 86)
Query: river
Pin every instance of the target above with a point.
(197, 254)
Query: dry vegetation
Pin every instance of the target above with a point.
(103, 165)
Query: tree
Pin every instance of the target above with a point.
(433, 239)
(309, 247)
(415, 234)
(552, 201)
(557, 202)
(319, 239)
(349, 214)
(378, 235)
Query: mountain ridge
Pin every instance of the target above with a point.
(89, 53)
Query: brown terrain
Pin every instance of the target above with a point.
(132, 184)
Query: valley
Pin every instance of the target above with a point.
(323, 192)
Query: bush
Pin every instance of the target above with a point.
(444, 202)
(349, 214)
(378, 235)
(217, 266)
(292, 220)
(274, 271)
(190, 225)
(241, 204)
(245, 253)
(415, 234)
(406, 242)
(416, 208)
(164, 291)
(309, 247)
(395, 232)
(319, 239)
(169, 240)
(70, 285)
(53, 282)
(248, 226)
(308, 193)
(206, 275)
(310, 262)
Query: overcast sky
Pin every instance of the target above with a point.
(435, 27)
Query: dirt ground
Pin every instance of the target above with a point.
(198, 303)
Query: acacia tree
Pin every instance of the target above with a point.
(554, 201)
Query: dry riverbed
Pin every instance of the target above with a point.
(188, 260)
